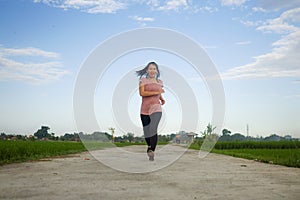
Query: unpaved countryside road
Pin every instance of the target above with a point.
(81, 176)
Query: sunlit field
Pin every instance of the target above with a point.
(285, 153)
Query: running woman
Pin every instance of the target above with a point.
(150, 89)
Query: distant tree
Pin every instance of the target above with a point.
(164, 138)
(52, 137)
(204, 133)
(139, 139)
(226, 132)
(130, 137)
(273, 137)
(172, 136)
(42, 133)
(20, 137)
(225, 138)
(67, 136)
(208, 131)
(3, 136)
(287, 137)
(96, 136)
(238, 137)
(31, 138)
(118, 139)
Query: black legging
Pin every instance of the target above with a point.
(150, 124)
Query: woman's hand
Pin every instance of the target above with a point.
(162, 101)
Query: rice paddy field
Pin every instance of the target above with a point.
(19, 151)
(285, 153)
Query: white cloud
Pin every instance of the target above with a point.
(30, 51)
(233, 2)
(112, 6)
(154, 3)
(292, 15)
(14, 67)
(89, 6)
(249, 23)
(174, 5)
(276, 5)
(282, 24)
(204, 9)
(142, 20)
(274, 23)
(177, 5)
(283, 60)
(243, 43)
(259, 9)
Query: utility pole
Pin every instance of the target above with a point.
(247, 130)
(112, 134)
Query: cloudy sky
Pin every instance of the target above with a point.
(254, 45)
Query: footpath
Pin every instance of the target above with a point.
(83, 176)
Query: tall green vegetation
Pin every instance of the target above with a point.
(286, 157)
(285, 153)
(258, 145)
(16, 151)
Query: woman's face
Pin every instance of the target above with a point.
(152, 71)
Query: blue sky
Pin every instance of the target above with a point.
(254, 45)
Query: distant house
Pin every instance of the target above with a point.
(190, 137)
(185, 138)
(14, 138)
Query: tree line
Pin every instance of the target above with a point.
(43, 134)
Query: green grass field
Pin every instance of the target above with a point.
(286, 157)
(285, 153)
(20, 151)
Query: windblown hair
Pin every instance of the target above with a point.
(143, 72)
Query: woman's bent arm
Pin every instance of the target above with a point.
(144, 93)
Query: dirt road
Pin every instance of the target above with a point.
(81, 176)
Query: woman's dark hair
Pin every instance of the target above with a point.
(143, 72)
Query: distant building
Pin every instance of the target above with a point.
(191, 137)
(185, 138)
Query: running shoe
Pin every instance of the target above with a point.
(151, 155)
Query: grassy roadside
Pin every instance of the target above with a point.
(286, 157)
(20, 151)
(285, 153)
(281, 153)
